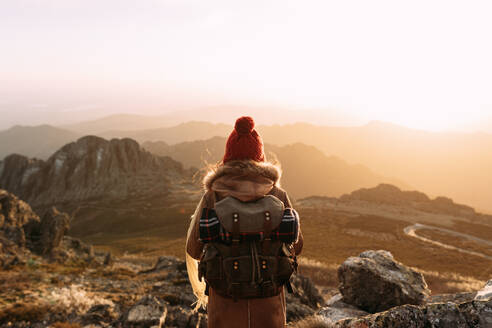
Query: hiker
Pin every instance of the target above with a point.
(243, 180)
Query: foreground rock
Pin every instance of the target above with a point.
(148, 312)
(23, 235)
(473, 314)
(15, 217)
(375, 282)
(473, 309)
(337, 310)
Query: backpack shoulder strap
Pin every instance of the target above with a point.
(210, 199)
(280, 194)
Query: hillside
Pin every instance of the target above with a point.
(34, 141)
(306, 170)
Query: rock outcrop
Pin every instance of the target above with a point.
(91, 168)
(53, 226)
(16, 216)
(23, 234)
(375, 282)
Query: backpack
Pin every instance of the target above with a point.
(248, 247)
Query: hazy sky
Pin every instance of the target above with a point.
(424, 64)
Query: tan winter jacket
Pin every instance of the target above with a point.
(245, 180)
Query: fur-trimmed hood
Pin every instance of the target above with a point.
(243, 179)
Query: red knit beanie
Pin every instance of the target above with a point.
(244, 143)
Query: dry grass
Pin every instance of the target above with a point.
(456, 241)
(320, 273)
(74, 298)
(449, 282)
(24, 312)
(483, 231)
(14, 280)
(115, 273)
(65, 325)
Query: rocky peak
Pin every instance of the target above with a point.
(89, 168)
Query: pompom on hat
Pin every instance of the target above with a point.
(244, 143)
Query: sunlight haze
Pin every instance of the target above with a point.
(422, 64)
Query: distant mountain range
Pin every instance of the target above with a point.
(190, 131)
(306, 170)
(34, 141)
(94, 167)
(125, 122)
(453, 164)
(223, 114)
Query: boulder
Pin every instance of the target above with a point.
(148, 312)
(374, 282)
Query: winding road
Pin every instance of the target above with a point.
(411, 231)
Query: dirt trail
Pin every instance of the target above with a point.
(411, 231)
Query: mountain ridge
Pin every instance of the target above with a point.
(88, 168)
